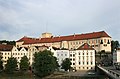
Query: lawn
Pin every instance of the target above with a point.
(17, 75)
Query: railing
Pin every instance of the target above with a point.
(110, 73)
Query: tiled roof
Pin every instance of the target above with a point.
(93, 35)
(85, 46)
(5, 47)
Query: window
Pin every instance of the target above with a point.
(57, 54)
(87, 53)
(79, 63)
(65, 54)
(61, 54)
(5, 57)
(5, 53)
(83, 58)
(87, 67)
(101, 42)
(108, 42)
(83, 53)
(73, 63)
(70, 55)
(91, 63)
(83, 63)
(105, 45)
(87, 63)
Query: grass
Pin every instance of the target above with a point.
(17, 75)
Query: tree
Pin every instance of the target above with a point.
(44, 63)
(24, 63)
(11, 65)
(66, 64)
(7, 42)
(1, 62)
(114, 45)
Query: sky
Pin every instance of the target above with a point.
(30, 18)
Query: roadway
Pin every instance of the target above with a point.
(112, 68)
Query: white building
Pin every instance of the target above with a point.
(18, 53)
(5, 52)
(116, 56)
(83, 58)
(60, 54)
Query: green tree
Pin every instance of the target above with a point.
(44, 63)
(24, 63)
(1, 62)
(66, 64)
(114, 45)
(11, 65)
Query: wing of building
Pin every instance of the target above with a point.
(98, 40)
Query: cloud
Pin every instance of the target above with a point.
(61, 17)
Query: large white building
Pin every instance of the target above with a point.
(83, 58)
(98, 40)
(116, 56)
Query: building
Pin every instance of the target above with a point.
(98, 40)
(116, 56)
(60, 54)
(83, 58)
(5, 52)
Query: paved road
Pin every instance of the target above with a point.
(113, 69)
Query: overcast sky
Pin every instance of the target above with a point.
(20, 18)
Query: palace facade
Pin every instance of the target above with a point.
(98, 40)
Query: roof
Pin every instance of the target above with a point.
(85, 46)
(5, 47)
(93, 35)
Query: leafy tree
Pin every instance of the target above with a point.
(24, 63)
(66, 64)
(1, 62)
(11, 65)
(8, 42)
(114, 45)
(44, 63)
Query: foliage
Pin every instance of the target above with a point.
(114, 45)
(1, 62)
(8, 42)
(44, 63)
(11, 65)
(66, 64)
(24, 63)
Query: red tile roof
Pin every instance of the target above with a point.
(93, 35)
(85, 46)
(5, 47)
